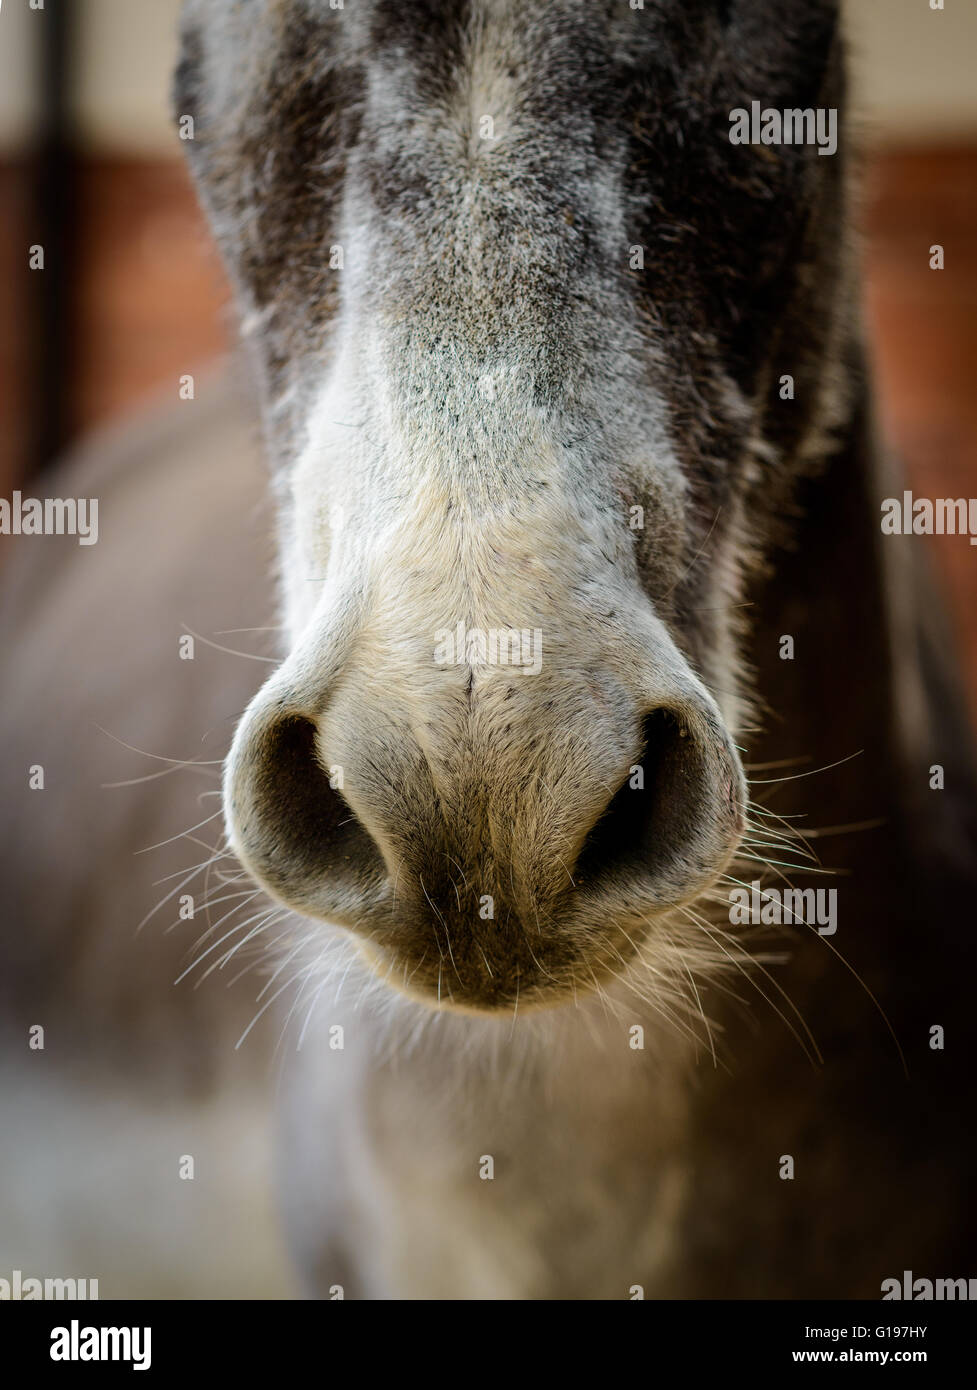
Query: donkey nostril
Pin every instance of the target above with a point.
(290, 821)
(670, 822)
(637, 823)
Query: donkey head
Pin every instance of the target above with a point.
(520, 312)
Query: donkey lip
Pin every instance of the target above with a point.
(539, 975)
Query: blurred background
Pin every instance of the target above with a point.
(133, 297)
(133, 294)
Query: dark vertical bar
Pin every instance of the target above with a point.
(53, 225)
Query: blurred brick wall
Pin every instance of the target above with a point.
(14, 344)
(152, 301)
(923, 325)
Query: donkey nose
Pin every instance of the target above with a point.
(552, 834)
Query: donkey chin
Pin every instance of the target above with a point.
(492, 840)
